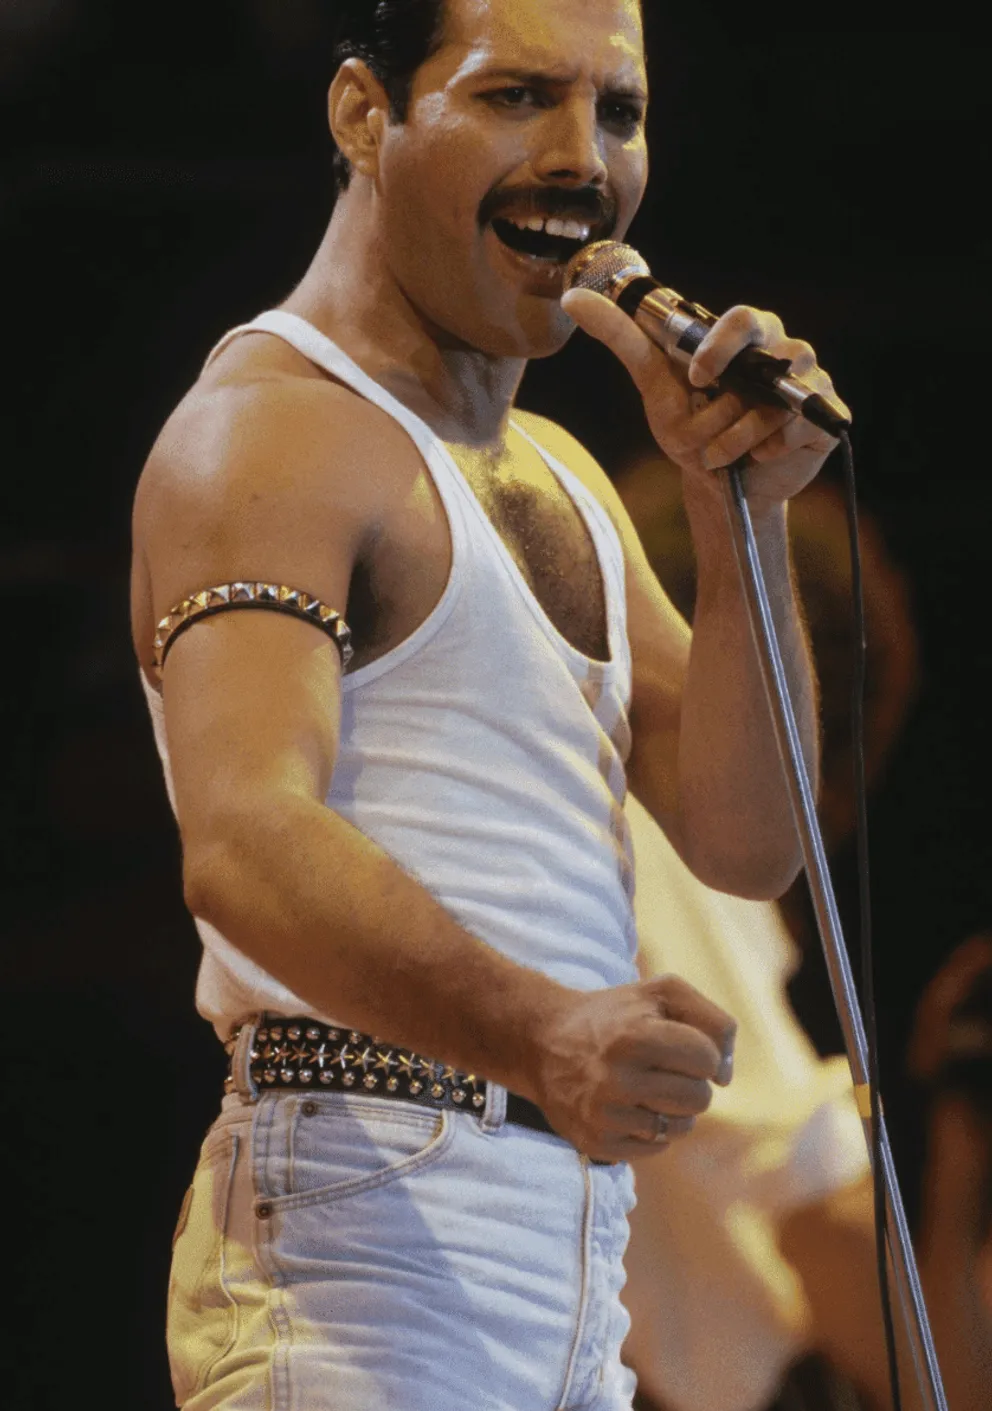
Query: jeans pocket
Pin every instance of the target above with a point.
(202, 1316)
(335, 1145)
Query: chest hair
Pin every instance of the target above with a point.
(548, 540)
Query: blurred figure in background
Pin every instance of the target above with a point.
(951, 1054)
(651, 491)
(739, 1234)
(718, 1312)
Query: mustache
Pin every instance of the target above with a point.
(585, 203)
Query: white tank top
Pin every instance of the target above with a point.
(485, 753)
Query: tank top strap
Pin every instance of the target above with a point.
(321, 350)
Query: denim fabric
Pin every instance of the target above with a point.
(338, 1252)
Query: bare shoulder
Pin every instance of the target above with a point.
(262, 472)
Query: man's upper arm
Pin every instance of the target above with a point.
(252, 483)
(659, 641)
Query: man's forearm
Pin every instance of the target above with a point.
(734, 800)
(331, 916)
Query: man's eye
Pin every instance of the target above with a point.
(626, 117)
(617, 113)
(518, 96)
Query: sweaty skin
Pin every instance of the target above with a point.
(269, 469)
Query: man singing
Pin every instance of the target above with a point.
(404, 656)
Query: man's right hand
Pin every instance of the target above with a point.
(611, 1061)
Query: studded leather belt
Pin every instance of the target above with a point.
(300, 1052)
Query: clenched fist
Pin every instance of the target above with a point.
(622, 1070)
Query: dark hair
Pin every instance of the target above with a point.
(393, 37)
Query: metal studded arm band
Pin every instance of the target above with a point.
(274, 596)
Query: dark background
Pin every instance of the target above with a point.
(165, 174)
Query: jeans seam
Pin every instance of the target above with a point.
(580, 1319)
(278, 1321)
(213, 1362)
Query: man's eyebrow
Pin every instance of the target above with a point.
(551, 78)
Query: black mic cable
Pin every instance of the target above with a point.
(864, 898)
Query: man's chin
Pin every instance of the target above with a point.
(543, 329)
(531, 327)
(554, 342)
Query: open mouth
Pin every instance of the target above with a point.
(548, 239)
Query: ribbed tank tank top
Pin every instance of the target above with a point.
(484, 753)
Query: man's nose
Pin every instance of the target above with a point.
(572, 147)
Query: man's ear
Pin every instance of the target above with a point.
(358, 111)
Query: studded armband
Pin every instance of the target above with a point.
(227, 596)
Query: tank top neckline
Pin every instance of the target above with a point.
(322, 350)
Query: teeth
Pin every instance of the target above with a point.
(569, 229)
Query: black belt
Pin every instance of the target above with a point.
(300, 1052)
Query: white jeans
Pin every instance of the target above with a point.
(338, 1252)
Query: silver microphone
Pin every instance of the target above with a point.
(678, 326)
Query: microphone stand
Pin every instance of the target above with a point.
(900, 1247)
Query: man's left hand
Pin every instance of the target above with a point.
(701, 432)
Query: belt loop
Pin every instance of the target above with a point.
(240, 1045)
(494, 1112)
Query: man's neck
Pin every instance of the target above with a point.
(465, 396)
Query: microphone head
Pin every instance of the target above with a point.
(604, 267)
